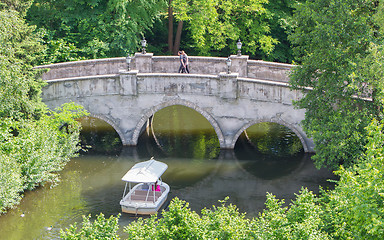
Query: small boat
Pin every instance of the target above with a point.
(149, 192)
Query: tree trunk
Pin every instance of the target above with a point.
(176, 46)
(170, 27)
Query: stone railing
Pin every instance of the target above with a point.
(147, 63)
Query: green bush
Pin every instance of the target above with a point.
(355, 209)
(100, 229)
(179, 222)
(301, 220)
(10, 181)
(32, 152)
(42, 149)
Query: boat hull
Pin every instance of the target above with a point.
(144, 205)
(141, 208)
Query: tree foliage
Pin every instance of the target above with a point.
(101, 228)
(34, 145)
(180, 222)
(92, 29)
(43, 147)
(19, 50)
(338, 46)
(213, 24)
(280, 23)
(78, 30)
(32, 152)
(11, 182)
(214, 29)
(20, 6)
(354, 210)
(301, 220)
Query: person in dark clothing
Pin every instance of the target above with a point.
(183, 57)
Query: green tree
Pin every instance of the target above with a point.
(32, 152)
(93, 29)
(355, 209)
(42, 147)
(277, 18)
(34, 143)
(214, 25)
(19, 50)
(338, 47)
(280, 23)
(20, 6)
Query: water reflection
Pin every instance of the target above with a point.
(99, 137)
(269, 151)
(182, 132)
(270, 139)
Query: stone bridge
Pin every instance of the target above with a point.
(254, 91)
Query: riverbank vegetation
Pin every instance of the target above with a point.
(35, 142)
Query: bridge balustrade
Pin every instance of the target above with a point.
(147, 63)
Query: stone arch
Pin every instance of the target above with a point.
(273, 120)
(112, 123)
(181, 102)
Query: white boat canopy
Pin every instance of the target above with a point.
(145, 172)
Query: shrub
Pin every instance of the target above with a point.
(101, 229)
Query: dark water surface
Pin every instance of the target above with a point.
(267, 158)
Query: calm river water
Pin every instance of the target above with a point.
(267, 158)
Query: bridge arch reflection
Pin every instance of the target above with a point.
(150, 112)
(99, 134)
(273, 120)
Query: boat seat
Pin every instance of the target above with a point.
(144, 193)
(143, 197)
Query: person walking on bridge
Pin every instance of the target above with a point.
(183, 57)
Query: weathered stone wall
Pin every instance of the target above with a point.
(268, 70)
(82, 87)
(83, 68)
